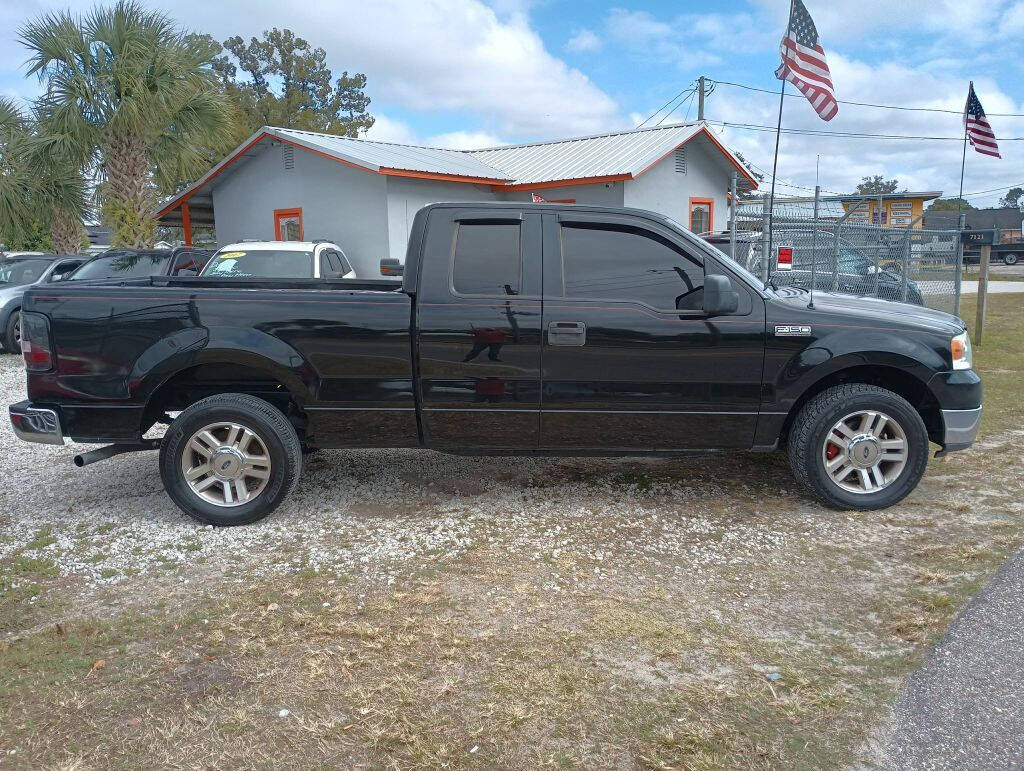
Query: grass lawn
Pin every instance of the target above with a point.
(567, 633)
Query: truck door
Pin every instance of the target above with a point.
(478, 326)
(630, 360)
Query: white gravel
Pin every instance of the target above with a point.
(368, 513)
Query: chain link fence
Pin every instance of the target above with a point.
(834, 254)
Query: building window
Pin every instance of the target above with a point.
(288, 224)
(702, 215)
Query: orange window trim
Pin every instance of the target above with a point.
(711, 211)
(281, 214)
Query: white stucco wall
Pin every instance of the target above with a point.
(666, 191)
(599, 194)
(406, 196)
(338, 202)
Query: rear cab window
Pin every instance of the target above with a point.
(487, 259)
(261, 263)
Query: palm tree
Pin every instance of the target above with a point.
(131, 95)
(38, 183)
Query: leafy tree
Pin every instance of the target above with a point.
(129, 94)
(287, 83)
(950, 204)
(1012, 197)
(877, 185)
(42, 193)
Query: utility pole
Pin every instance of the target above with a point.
(700, 98)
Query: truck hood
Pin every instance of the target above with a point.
(880, 312)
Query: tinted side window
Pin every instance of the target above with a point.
(64, 269)
(332, 262)
(188, 264)
(487, 259)
(626, 263)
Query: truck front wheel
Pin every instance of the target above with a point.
(858, 446)
(1010, 259)
(230, 459)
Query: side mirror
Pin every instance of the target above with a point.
(391, 266)
(719, 296)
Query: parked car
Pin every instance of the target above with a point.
(138, 263)
(517, 329)
(280, 259)
(17, 274)
(855, 271)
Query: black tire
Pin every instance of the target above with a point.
(12, 332)
(813, 425)
(272, 429)
(1010, 259)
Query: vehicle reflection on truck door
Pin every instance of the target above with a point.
(479, 331)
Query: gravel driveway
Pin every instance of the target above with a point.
(407, 608)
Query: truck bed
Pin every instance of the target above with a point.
(342, 346)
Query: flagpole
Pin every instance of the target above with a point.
(775, 166)
(963, 157)
(775, 162)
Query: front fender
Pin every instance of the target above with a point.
(846, 349)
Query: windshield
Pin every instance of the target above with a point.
(122, 265)
(20, 272)
(261, 263)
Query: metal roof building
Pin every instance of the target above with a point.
(284, 183)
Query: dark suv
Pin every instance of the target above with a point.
(142, 263)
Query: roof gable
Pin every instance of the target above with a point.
(620, 155)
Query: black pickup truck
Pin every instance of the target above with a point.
(565, 330)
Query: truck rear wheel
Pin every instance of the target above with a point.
(1011, 259)
(230, 459)
(858, 446)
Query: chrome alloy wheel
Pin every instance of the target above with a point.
(17, 331)
(226, 464)
(865, 452)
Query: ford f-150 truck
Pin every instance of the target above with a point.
(517, 329)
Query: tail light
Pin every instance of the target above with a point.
(785, 261)
(35, 342)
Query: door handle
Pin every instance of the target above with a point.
(567, 333)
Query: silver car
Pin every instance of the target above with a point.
(16, 275)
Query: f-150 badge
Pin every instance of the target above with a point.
(792, 330)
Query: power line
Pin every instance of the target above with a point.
(692, 90)
(870, 104)
(846, 134)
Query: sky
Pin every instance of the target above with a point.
(478, 73)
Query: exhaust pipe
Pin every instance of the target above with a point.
(102, 453)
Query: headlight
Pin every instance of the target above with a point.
(960, 348)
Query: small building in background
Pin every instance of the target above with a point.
(890, 209)
(286, 184)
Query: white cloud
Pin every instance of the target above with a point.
(387, 129)
(584, 41)
(481, 61)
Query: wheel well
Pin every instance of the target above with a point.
(891, 378)
(190, 385)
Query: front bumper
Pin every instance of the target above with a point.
(35, 424)
(960, 427)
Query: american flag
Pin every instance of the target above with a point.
(537, 199)
(804, 65)
(979, 132)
